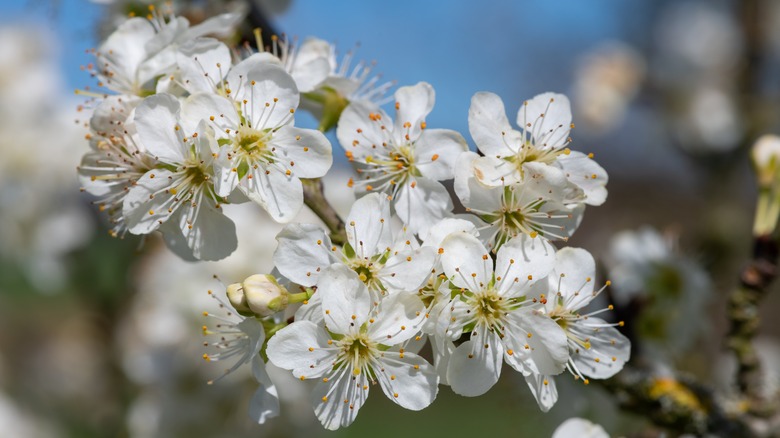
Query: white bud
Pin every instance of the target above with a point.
(235, 295)
(264, 295)
(765, 156)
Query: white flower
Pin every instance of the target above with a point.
(385, 264)
(596, 349)
(261, 152)
(244, 339)
(141, 50)
(309, 63)
(492, 305)
(116, 160)
(181, 189)
(403, 159)
(545, 122)
(350, 352)
(533, 207)
(579, 428)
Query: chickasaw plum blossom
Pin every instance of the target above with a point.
(545, 123)
(533, 207)
(494, 307)
(384, 261)
(261, 152)
(243, 340)
(117, 159)
(178, 196)
(132, 59)
(581, 428)
(596, 349)
(405, 159)
(356, 347)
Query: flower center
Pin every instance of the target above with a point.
(366, 271)
(251, 142)
(490, 308)
(357, 351)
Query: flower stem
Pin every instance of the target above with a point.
(314, 198)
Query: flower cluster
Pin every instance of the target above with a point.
(196, 125)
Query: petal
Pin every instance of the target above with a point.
(544, 390)
(110, 115)
(157, 120)
(303, 252)
(265, 402)
(306, 152)
(368, 225)
(436, 152)
(444, 228)
(311, 310)
(489, 126)
(119, 57)
(408, 380)
(496, 172)
(337, 402)
(587, 175)
(539, 345)
(466, 261)
(358, 134)
(413, 104)
(176, 242)
(345, 299)
(547, 117)
(222, 25)
(580, 428)
(522, 262)
(473, 194)
(236, 77)
(202, 106)
(408, 270)
(225, 172)
(608, 349)
(399, 318)
(271, 94)
(573, 278)
(146, 205)
(312, 64)
(421, 202)
(209, 233)
(203, 63)
(474, 369)
(301, 347)
(280, 195)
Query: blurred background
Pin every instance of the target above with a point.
(101, 336)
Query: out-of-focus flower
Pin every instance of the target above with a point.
(672, 288)
(579, 428)
(606, 80)
(710, 120)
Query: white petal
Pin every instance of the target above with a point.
(573, 277)
(408, 380)
(265, 402)
(474, 369)
(357, 133)
(156, 119)
(345, 299)
(489, 126)
(368, 225)
(586, 174)
(544, 390)
(237, 75)
(306, 152)
(209, 233)
(421, 202)
(312, 64)
(609, 349)
(580, 428)
(280, 195)
(272, 98)
(546, 351)
(203, 63)
(413, 104)
(337, 402)
(399, 318)
(549, 117)
(176, 242)
(466, 261)
(222, 25)
(436, 152)
(225, 172)
(408, 270)
(302, 348)
(111, 115)
(496, 172)
(119, 57)
(146, 204)
(522, 262)
(304, 251)
(444, 228)
(473, 194)
(202, 106)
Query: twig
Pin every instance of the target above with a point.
(314, 198)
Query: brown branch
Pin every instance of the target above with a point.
(314, 198)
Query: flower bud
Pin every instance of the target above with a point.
(237, 299)
(264, 295)
(765, 156)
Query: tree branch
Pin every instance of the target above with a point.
(314, 198)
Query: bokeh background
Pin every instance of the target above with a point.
(101, 336)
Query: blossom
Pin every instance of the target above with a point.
(492, 306)
(545, 123)
(579, 427)
(142, 49)
(261, 152)
(596, 349)
(117, 159)
(403, 159)
(244, 339)
(350, 351)
(533, 207)
(182, 189)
